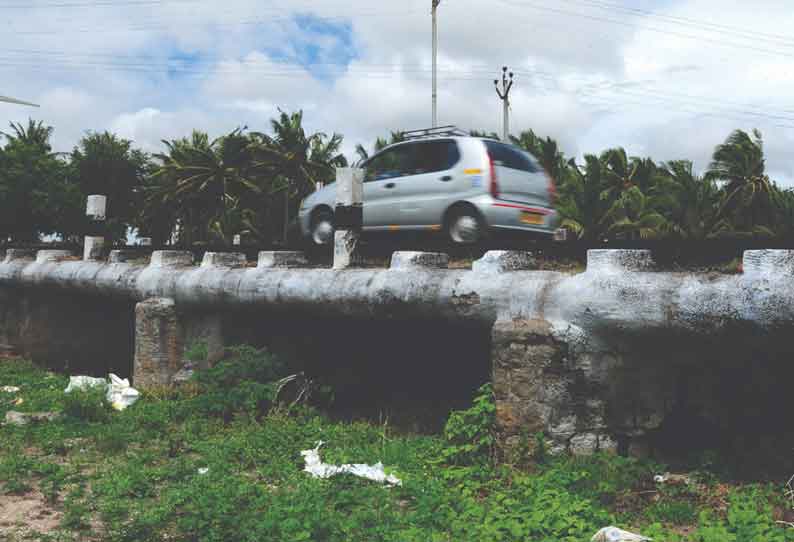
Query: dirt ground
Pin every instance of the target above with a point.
(25, 514)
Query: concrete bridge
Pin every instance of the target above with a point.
(600, 360)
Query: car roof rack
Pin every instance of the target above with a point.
(439, 131)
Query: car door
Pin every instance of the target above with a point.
(383, 176)
(433, 186)
(520, 178)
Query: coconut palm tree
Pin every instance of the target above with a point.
(296, 161)
(622, 173)
(580, 203)
(739, 165)
(691, 202)
(634, 215)
(202, 181)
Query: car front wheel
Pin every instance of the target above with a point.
(322, 229)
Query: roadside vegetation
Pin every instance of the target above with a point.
(250, 183)
(219, 460)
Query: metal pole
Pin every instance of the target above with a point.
(506, 120)
(504, 95)
(435, 62)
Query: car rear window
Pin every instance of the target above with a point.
(506, 156)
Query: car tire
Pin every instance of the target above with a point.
(321, 229)
(465, 226)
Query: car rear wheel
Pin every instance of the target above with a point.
(321, 233)
(465, 227)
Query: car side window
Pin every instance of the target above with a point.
(391, 163)
(433, 156)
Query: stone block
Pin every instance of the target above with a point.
(124, 256)
(93, 248)
(47, 256)
(349, 186)
(768, 263)
(14, 254)
(171, 258)
(229, 260)
(504, 261)
(281, 259)
(407, 261)
(616, 261)
(95, 207)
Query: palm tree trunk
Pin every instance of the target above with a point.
(286, 215)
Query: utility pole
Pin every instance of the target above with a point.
(6, 99)
(435, 60)
(504, 95)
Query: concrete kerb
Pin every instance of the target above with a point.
(281, 259)
(406, 261)
(504, 261)
(171, 258)
(15, 254)
(229, 260)
(50, 256)
(616, 261)
(768, 263)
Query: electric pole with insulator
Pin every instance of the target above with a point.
(504, 95)
(435, 4)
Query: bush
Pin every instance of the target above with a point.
(470, 433)
(244, 383)
(89, 405)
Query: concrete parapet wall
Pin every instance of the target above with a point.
(564, 347)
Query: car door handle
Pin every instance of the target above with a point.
(390, 185)
(446, 178)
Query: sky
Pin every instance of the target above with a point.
(668, 79)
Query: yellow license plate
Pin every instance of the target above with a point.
(531, 218)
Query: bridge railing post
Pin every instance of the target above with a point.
(95, 210)
(348, 216)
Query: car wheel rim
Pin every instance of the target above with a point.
(465, 229)
(323, 231)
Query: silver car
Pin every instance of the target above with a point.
(463, 186)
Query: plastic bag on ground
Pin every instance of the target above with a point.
(613, 534)
(9, 389)
(83, 383)
(120, 393)
(318, 469)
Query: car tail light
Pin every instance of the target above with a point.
(552, 189)
(494, 181)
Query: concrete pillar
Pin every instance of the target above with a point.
(94, 244)
(159, 343)
(348, 216)
(163, 334)
(540, 388)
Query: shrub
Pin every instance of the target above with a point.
(469, 433)
(88, 405)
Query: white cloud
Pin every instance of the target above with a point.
(104, 68)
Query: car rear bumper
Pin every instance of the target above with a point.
(509, 215)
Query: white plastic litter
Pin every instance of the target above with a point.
(120, 394)
(318, 469)
(203, 470)
(9, 389)
(613, 534)
(83, 383)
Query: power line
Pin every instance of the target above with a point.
(786, 41)
(742, 46)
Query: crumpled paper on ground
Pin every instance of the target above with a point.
(318, 469)
(120, 394)
(613, 534)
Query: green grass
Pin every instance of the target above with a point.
(134, 475)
